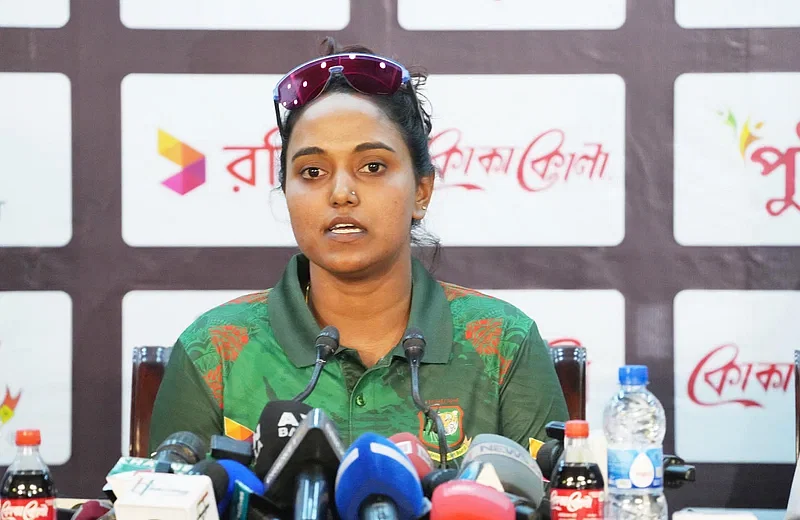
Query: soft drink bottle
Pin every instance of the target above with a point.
(27, 492)
(577, 486)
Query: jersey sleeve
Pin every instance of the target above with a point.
(531, 395)
(184, 402)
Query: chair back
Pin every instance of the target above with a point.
(149, 364)
(569, 360)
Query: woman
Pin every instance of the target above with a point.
(358, 177)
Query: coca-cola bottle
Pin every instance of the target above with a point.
(577, 486)
(27, 492)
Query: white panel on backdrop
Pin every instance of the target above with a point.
(734, 375)
(594, 319)
(331, 15)
(49, 14)
(36, 371)
(698, 14)
(227, 200)
(483, 15)
(737, 138)
(553, 176)
(35, 160)
(157, 318)
(528, 160)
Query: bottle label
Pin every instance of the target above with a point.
(27, 509)
(573, 504)
(636, 469)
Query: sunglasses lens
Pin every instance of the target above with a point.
(372, 75)
(303, 85)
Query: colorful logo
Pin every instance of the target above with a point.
(237, 431)
(8, 406)
(193, 163)
(769, 159)
(453, 422)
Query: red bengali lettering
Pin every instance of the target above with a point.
(720, 370)
(248, 159)
(771, 159)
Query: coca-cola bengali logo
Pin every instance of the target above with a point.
(546, 161)
(24, 511)
(571, 502)
(769, 159)
(721, 378)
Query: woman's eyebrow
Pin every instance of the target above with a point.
(373, 145)
(308, 150)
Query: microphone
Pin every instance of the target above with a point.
(278, 422)
(465, 500)
(219, 480)
(306, 468)
(248, 504)
(224, 475)
(164, 495)
(326, 344)
(181, 447)
(518, 472)
(225, 448)
(414, 348)
(376, 481)
(436, 478)
(411, 446)
(176, 454)
(482, 473)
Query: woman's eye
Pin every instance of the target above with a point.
(373, 167)
(312, 172)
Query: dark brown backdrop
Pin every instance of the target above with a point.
(97, 268)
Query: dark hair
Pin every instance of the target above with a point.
(402, 109)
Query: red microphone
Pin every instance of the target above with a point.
(467, 500)
(415, 451)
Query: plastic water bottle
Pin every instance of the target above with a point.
(634, 425)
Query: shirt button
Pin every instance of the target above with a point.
(360, 401)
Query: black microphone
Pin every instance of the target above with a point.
(276, 425)
(414, 347)
(326, 345)
(180, 447)
(225, 448)
(305, 471)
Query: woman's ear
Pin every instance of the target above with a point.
(423, 196)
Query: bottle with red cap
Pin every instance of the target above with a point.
(27, 492)
(577, 486)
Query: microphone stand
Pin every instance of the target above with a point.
(327, 343)
(414, 347)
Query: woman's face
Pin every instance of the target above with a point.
(350, 186)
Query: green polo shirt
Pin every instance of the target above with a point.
(485, 367)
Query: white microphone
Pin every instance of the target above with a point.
(166, 496)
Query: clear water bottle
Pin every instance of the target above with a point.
(634, 425)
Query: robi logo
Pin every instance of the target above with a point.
(193, 163)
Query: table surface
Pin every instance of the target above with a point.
(761, 514)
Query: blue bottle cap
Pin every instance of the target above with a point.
(633, 375)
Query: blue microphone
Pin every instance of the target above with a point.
(376, 480)
(238, 472)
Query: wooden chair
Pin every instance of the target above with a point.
(148, 371)
(149, 364)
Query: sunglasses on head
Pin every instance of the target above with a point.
(366, 73)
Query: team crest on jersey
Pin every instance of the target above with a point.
(453, 422)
